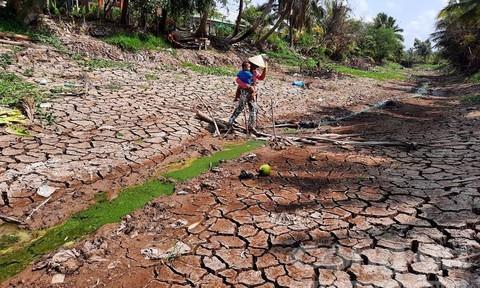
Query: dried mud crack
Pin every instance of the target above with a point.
(346, 217)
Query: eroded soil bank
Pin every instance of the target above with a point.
(328, 216)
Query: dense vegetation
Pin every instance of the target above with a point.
(458, 34)
(295, 32)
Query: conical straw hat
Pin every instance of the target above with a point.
(257, 60)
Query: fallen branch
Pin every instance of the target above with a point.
(10, 219)
(36, 209)
(15, 43)
(310, 140)
(217, 131)
(222, 125)
(15, 36)
(361, 143)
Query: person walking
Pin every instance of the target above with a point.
(248, 93)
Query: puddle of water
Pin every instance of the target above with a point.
(102, 212)
(12, 237)
(421, 90)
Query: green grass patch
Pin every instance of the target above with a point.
(381, 73)
(200, 165)
(428, 66)
(289, 58)
(137, 42)
(17, 130)
(11, 116)
(475, 78)
(8, 240)
(12, 26)
(471, 99)
(6, 59)
(105, 212)
(13, 90)
(151, 77)
(210, 70)
(105, 64)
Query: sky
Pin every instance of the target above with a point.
(416, 17)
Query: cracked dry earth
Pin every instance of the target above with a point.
(346, 217)
(113, 127)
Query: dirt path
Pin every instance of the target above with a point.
(329, 216)
(119, 123)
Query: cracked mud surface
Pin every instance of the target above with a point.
(124, 125)
(348, 217)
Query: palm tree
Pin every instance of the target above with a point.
(264, 10)
(468, 11)
(284, 9)
(300, 13)
(336, 26)
(382, 20)
(304, 14)
(457, 35)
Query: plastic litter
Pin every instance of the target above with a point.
(300, 84)
(45, 190)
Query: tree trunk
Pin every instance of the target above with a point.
(239, 20)
(255, 26)
(277, 24)
(290, 31)
(143, 20)
(100, 9)
(202, 28)
(125, 17)
(163, 21)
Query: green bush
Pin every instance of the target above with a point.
(475, 78)
(137, 42)
(277, 43)
(13, 90)
(471, 99)
(105, 64)
(223, 30)
(306, 41)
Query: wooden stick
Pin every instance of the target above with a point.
(273, 120)
(10, 219)
(15, 43)
(37, 208)
(313, 140)
(245, 119)
(15, 36)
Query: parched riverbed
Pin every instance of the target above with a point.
(328, 216)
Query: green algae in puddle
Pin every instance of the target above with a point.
(105, 212)
(12, 237)
(8, 240)
(198, 166)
